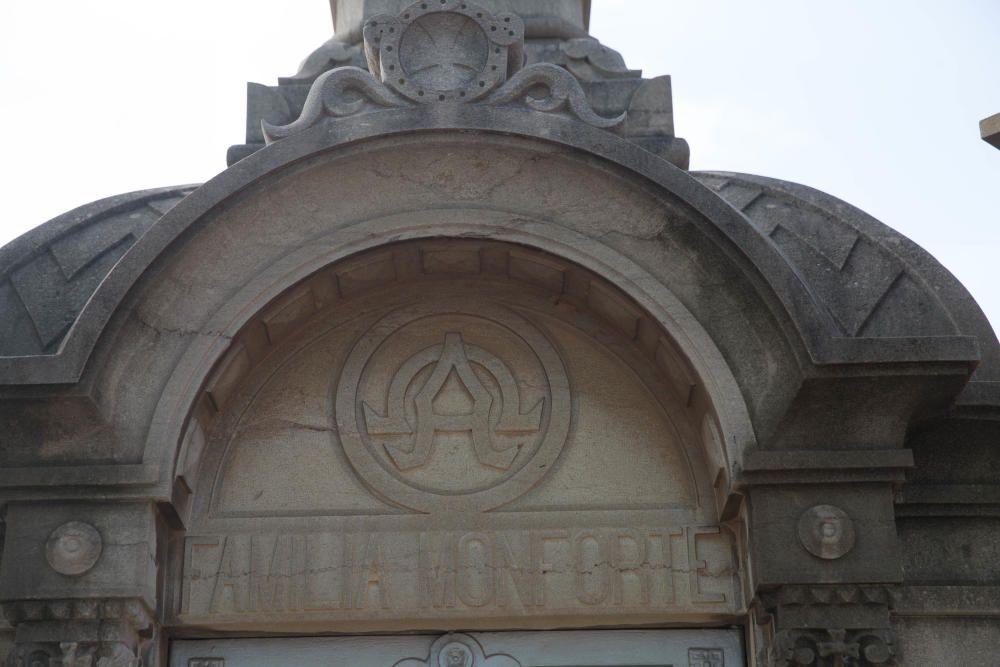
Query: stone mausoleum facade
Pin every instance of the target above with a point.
(458, 364)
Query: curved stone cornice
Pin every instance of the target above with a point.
(48, 274)
(753, 251)
(875, 283)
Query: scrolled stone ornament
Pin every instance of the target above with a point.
(562, 94)
(341, 92)
(826, 532)
(443, 52)
(73, 548)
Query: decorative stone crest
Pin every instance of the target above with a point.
(459, 650)
(826, 532)
(468, 423)
(491, 447)
(73, 548)
(442, 52)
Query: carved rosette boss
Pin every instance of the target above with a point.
(443, 52)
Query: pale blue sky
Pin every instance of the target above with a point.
(874, 101)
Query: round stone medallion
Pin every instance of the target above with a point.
(459, 406)
(826, 531)
(443, 50)
(455, 654)
(73, 548)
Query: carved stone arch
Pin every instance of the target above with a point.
(625, 261)
(747, 256)
(416, 281)
(554, 262)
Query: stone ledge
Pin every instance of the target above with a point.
(947, 600)
(823, 466)
(927, 500)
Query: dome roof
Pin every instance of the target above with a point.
(873, 281)
(870, 285)
(49, 273)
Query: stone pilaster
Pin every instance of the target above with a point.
(78, 583)
(825, 555)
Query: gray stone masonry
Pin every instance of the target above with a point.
(458, 343)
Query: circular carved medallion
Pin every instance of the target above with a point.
(73, 548)
(826, 531)
(453, 406)
(455, 654)
(443, 50)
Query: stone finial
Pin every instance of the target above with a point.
(443, 52)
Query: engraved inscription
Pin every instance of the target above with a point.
(527, 571)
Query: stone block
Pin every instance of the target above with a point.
(79, 550)
(784, 527)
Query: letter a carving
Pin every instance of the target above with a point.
(495, 447)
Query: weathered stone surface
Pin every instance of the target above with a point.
(601, 89)
(124, 566)
(942, 641)
(504, 510)
(478, 361)
(49, 273)
(443, 53)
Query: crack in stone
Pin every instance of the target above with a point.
(180, 332)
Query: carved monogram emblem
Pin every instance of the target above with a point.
(468, 423)
(496, 447)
